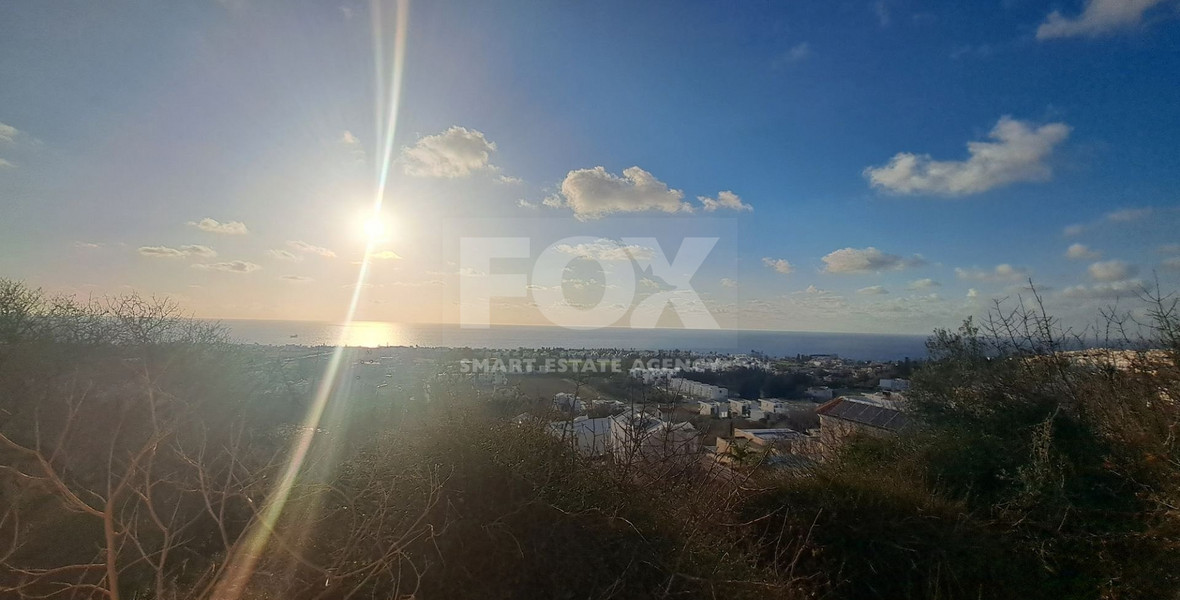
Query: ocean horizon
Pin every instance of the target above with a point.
(857, 346)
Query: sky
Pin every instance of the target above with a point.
(881, 166)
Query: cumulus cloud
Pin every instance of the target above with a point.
(873, 290)
(1127, 215)
(233, 266)
(797, 53)
(1081, 252)
(923, 284)
(284, 255)
(1072, 230)
(607, 251)
(385, 255)
(307, 248)
(729, 283)
(1002, 272)
(8, 133)
(88, 245)
(868, 260)
(1018, 153)
(780, 265)
(1113, 289)
(214, 226)
(352, 145)
(1098, 18)
(726, 200)
(456, 152)
(181, 252)
(1112, 270)
(594, 193)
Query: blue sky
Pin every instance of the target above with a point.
(841, 129)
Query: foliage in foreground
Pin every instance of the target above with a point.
(140, 453)
(1031, 472)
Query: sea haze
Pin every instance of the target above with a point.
(858, 346)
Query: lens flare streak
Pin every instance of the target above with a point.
(244, 559)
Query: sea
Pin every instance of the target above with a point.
(372, 334)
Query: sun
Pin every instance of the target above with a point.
(375, 229)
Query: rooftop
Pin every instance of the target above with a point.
(864, 413)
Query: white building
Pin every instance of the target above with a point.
(819, 393)
(590, 437)
(774, 406)
(639, 435)
(714, 409)
(696, 389)
(749, 409)
(568, 402)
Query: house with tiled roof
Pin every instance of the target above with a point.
(847, 416)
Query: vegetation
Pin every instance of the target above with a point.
(141, 456)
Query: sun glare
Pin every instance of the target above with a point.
(375, 229)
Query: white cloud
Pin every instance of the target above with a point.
(607, 251)
(1072, 230)
(160, 252)
(1099, 17)
(594, 193)
(729, 283)
(6, 165)
(1081, 252)
(814, 291)
(424, 283)
(385, 255)
(797, 53)
(1003, 272)
(1112, 270)
(923, 284)
(233, 266)
(284, 255)
(456, 152)
(780, 265)
(296, 278)
(972, 293)
(1127, 215)
(181, 252)
(868, 260)
(197, 250)
(8, 133)
(873, 290)
(525, 204)
(1018, 153)
(509, 180)
(724, 199)
(307, 248)
(88, 245)
(1114, 289)
(882, 13)
(214, 226)
(352, 145)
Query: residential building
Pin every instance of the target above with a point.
(590, 437)
(847, 416)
